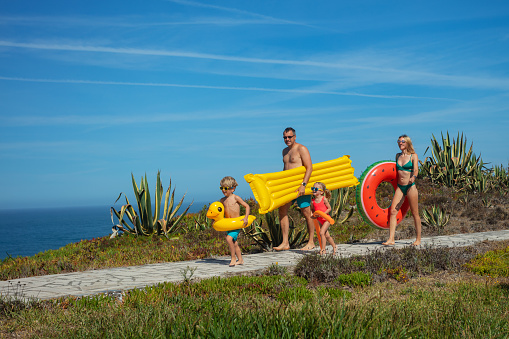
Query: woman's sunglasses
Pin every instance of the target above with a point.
(316, 189)
(401, 141)
(224, 188)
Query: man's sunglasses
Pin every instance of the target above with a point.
(224, 188)
(288, 137)
(316, 189)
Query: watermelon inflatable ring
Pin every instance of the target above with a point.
(373, 176)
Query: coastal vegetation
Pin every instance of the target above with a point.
(458, 208)
(411, 292)
(399, 293)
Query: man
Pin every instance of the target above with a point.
(296, 155)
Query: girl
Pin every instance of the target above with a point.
(407, 166)
(320, 202)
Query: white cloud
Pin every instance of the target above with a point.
(373, 74)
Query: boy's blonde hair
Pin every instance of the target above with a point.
(228, 182)
(409, 145)
(326, 192)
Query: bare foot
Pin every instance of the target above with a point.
(322, 252)
(387, 243)
(334, 250)
(281, 248)
(416, 243)
(308, 247)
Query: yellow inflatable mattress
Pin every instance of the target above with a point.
(273, 190)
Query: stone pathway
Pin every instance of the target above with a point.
(115, 280)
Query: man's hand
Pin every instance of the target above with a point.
(301, 191)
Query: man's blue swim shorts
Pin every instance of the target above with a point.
(303, 201)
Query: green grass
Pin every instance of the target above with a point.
(355, 279)
(356, 304)
(274, 307)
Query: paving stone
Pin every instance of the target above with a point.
(113, 281)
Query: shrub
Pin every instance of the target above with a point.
(492, 263)
(355, 279)
(275, 269)
(398, 273)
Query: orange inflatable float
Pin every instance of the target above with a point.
(317, 224)
(373, 176)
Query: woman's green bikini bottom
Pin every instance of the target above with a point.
(404, 188)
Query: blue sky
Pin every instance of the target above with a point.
(92, 91)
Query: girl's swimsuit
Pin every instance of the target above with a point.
(320, 206)
(408, 167)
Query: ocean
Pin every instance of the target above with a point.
(26, 232)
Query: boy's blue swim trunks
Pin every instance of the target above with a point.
(234, 234)
(303, 201)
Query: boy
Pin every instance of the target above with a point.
(232, 204)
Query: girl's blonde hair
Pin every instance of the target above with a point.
(228, 182)
(326, 192)
(409, 145)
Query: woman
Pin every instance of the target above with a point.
(407, 166)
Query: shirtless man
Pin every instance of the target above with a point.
(296, 155)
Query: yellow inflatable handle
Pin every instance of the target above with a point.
(273, 190)
(216, 213)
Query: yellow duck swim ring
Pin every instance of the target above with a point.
(216, 213)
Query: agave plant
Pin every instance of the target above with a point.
(451, 164)
(338, 202)
(201, 222)
(437, 218)
(480, 182)
(145, 222)
(501, 176)
(273, 237)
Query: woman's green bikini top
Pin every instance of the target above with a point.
(408, 167)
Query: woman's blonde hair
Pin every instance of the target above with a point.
(326, 192)
(228, 182)
(409, 145)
